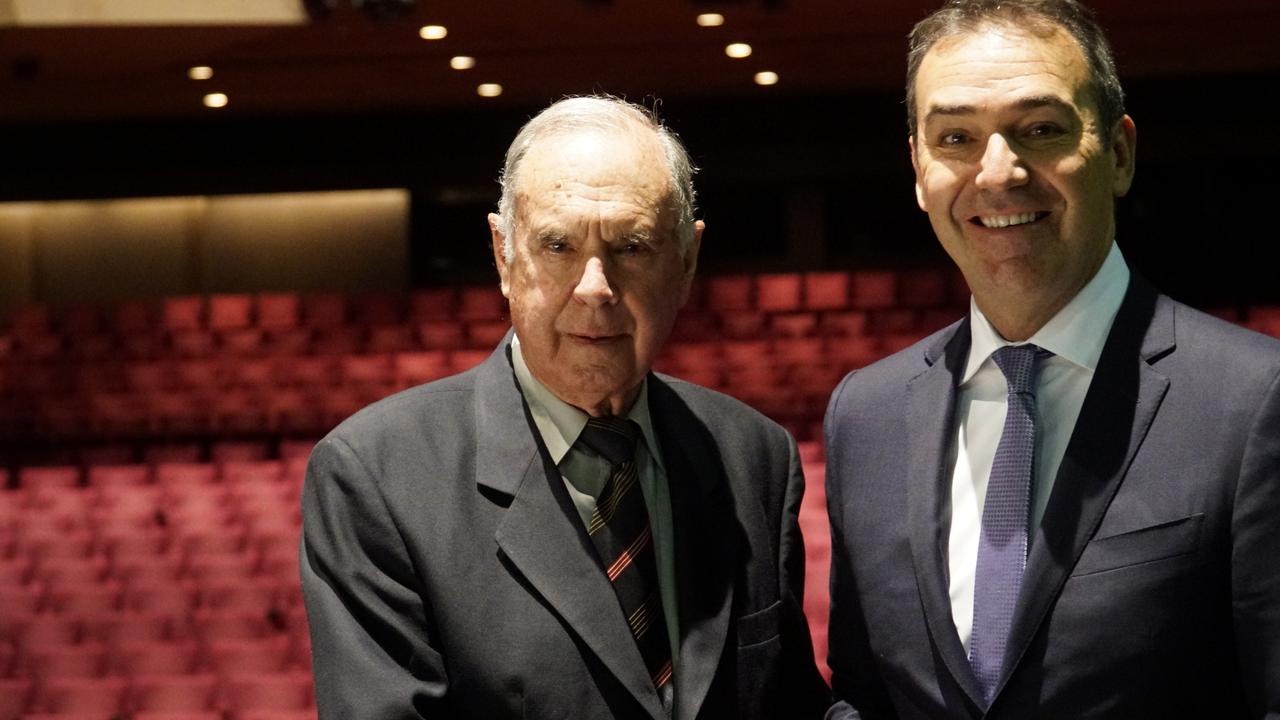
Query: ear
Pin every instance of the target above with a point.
(1124, 144)
(915, 165)
(499, 256)
(691, 260)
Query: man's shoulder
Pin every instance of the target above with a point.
(1226, 348)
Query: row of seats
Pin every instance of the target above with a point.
(67, 463)
(771, 292)
(250, 696)
(309, 394)
(433, 335)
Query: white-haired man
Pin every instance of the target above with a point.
(560, 533)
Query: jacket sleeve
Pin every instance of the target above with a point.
(1255, 547)
(372, 647)
(804, 692)
(857, 689)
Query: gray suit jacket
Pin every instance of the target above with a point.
(1151, 587)
(447, 574)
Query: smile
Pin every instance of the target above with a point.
(1003, 221)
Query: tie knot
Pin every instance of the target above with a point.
(613, 438)
(1019, 364)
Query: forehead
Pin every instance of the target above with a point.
(992, 65)
(568, 172)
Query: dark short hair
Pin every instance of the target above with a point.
(961, 17)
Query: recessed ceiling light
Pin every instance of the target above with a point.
(215, 100)
(433, 32)
(766, 77)
(489, 90)
(200, 72)
(737, 50)
(710, 20)
(462, 62)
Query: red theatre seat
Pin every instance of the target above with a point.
(378, 309)
(324, 310)
(433, 304)
(778, 292)
(481, 303)
(284, 691)
(729, 292)
(62, 476)
(874, 289)
(175, 693)
(230, 312)
(277, 311)
(182, 313)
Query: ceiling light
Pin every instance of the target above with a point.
(215, 100)
(710, 20)
(489, 90)
(462, 62)
(766, 77)
(737, 50)
(200, 72)
(433, 32)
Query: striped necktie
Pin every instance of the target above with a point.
(620, 530)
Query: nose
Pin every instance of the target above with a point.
(593, 287)
(1001, 167)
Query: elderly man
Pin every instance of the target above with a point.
(1066, 505)
(559, 533)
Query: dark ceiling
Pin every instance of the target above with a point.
(542, 49)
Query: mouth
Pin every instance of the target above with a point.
(596, 338)
(996, 222)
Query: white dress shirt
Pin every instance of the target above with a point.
(586, 473)
(1075, 336)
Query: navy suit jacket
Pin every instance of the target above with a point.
(1152, 586)
(447, 574)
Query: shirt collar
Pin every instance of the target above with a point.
(560, 423)
(1076, 333)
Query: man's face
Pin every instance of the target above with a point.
(597, 274)
(1014, 171)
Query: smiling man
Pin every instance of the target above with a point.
(1066, 505)
(559, 532)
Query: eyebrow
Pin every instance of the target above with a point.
(1034, 102)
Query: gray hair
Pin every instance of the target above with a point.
(960, 17)
(599, 113)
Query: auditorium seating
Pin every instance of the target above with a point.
(144, 590)
(282, 365)
(149, 541)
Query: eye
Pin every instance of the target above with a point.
(557, 246)
(954, 138)
(1044, 131)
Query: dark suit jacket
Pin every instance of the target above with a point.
(1152, 587)
(447, 574)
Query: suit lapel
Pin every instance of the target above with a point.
(541, 534)
(931, 399)
(706, 547)
(1118, 410)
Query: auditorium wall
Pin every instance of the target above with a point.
(110, 250)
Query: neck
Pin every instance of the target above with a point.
(611, 406)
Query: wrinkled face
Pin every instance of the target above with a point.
(1013, 169)
(597, 274)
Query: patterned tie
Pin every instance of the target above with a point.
(620, 530)
(1002, 546)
